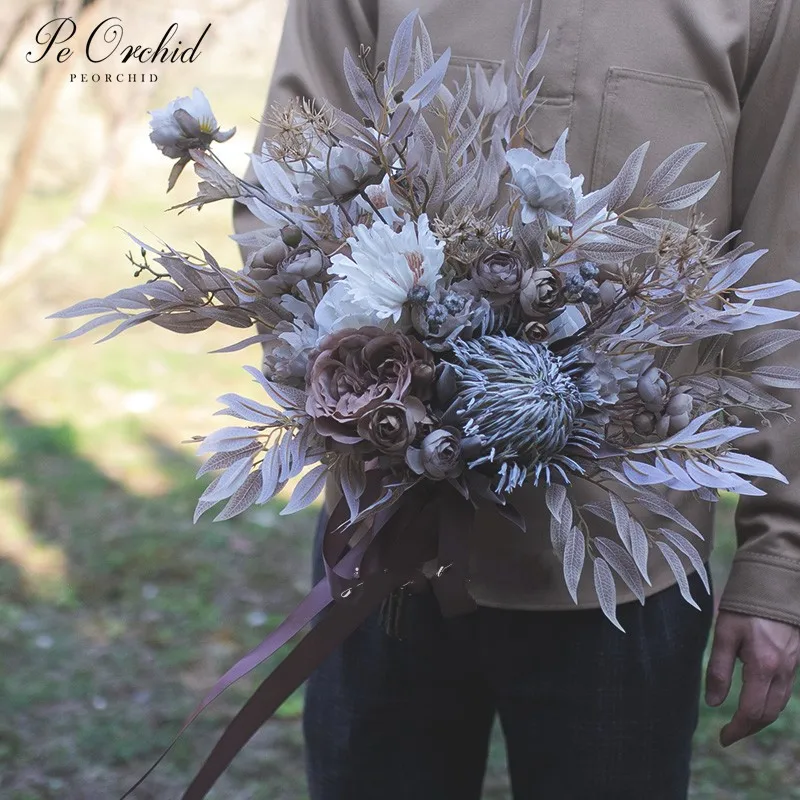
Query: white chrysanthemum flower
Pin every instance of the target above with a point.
(337, 311)
(184, 123)
(385, 266)
(286, 356)
(545, 185)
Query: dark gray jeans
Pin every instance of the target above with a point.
(588, 713)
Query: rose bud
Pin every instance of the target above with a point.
(390, 427)
(535, 331)
(304, 264)
(539, 292)
(439, 456)
(498, 272)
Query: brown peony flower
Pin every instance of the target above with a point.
(392, 426)
(498, 272)
(539, 292)
(356, 372)
(440, 455)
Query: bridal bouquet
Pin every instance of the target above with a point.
(446, 316)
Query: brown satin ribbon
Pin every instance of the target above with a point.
(456, 517)
(430, 521)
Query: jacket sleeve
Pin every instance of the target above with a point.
(765, 578)
(309, 64)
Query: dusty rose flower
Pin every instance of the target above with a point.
(539, 292)
(392, 426)
(498, 272)
(357, 371)
(439, 456)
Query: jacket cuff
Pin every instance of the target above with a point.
(764, 586)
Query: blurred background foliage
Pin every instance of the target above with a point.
(116, 613)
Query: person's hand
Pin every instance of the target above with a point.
(770, 652)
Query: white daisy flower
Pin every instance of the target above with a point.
(384, 266)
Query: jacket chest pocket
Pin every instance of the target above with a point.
(482, 32)
(669, 112)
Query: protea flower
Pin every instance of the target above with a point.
(527, 404)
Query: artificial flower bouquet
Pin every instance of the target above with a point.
(445, 316)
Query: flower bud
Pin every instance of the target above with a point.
(679, 404)
(608, 292)
(291, 235)
(440, 454)
(539, 292)
(270, 255)
(498, 272)
(677, 422)
(645, 423)
(302, 265)
(652, 387)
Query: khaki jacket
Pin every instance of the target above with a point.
(618, 73)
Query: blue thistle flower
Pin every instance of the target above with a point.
(526, 403)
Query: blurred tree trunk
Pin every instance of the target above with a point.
(49, 242)
(16, 30)
(42, 106)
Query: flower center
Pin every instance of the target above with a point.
(414, 260)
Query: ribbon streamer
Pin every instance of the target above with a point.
(430, 521)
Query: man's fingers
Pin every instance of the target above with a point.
(780, 692)
(720, 665)
(756, 685)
